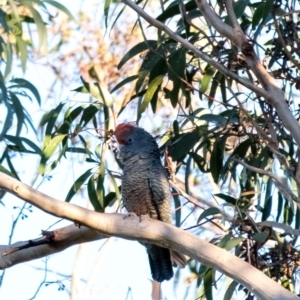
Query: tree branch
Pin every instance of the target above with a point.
(194, 49)
(283, 44)
(273, 95)
(63, 238)
(237, 36)
(147, 230)
(278, 181)
(286, 228)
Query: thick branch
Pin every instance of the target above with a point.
(63, 238)
(237, 36)
(149, 230)
(274, 96)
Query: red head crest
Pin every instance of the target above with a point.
(122, 131)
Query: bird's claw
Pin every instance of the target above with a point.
(77, 224)
(143, 217)
(130, 214)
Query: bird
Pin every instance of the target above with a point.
(146, 190)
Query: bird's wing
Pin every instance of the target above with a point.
(160, 192)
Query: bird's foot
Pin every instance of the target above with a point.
(144, 217)
(77, 224)
(130, 214)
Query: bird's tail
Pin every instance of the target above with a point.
(160, 262)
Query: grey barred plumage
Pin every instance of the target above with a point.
(145, 188)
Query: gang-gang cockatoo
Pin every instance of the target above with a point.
(146, 190)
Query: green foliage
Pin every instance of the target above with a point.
(211, 141)
(152, 88)
(200, 141)
(96, 91)
(208, 212)
(208, 284)
(222, 132)
(78, 183)
(15, 121)
(231, 289)
(15, 44)
(13, 16)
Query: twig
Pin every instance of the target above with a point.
(281, 186)
(44, 280)
(288, 230)
(235, 24)
(281, 40)
(270, 91)
(11, 235)
(271, 144)
(194, 49)
(45, 239)
(189, 21)
(274, 95)
(186, 196)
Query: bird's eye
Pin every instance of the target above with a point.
(129, 141)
